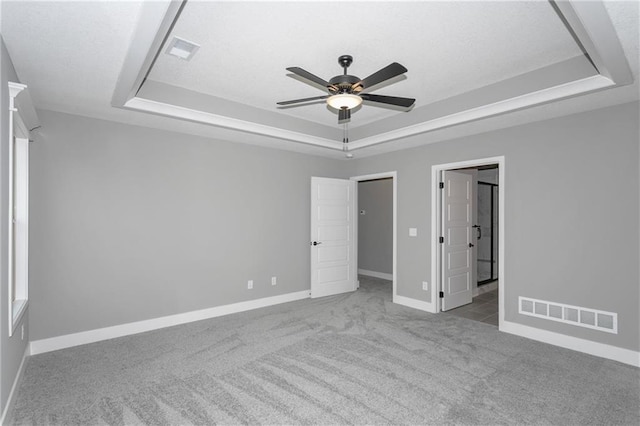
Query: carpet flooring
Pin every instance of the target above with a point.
(354, 358)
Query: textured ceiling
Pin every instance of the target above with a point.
(69, 53)
(72, 54)
(448, 47)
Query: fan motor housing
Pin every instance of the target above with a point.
(344, 82)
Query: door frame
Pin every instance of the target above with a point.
(394, 176)
(436, 208)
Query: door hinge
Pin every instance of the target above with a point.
(441, 240)
(441, 185)
(442, 295)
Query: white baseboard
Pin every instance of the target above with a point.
(91, 336)
(602, 350)
(16, 382)
(414, 303)
(375, 274)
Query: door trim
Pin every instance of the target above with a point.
(394, 176)
(435, 220)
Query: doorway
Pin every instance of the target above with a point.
(467, 255)
(378, 213)
(486, 226)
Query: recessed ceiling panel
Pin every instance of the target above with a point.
(449, 48)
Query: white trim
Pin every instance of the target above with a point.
(573, 88)
(590, 347)
(14, 91)
(16, 382)
(592, 25)
(155, 23)
(21, 211)
(394, 176)
(24, 104)
(414, 303)
(18, 237)
(588, 20)
(383, 275)
(435, 215)
(91, 336)
(162, 108)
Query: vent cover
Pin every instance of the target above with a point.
(182, 48)
(583, 317)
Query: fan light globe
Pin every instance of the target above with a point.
(344, 100)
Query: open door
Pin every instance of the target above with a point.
(456, 241)
(333, 262)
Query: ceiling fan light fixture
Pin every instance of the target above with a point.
(344, 100)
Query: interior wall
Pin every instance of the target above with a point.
(121, 231)
(571, 204)
(488, 175)
(12, 348)
(375, 226)
(131, 223)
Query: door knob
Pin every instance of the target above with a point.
(315, 243)
(471, 245)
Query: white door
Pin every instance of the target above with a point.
(333, 263)
(456, 241)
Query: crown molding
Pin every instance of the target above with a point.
(588, 22)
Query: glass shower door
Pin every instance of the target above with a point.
(487, 234)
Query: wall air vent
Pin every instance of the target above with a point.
(583, 317)
(182, 48)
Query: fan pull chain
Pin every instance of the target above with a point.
(345, 137)
(345, 140)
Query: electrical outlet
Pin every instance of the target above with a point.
(425, 285)
(250, 284)
(274, 280)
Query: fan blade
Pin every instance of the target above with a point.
(344, 114)
(390, 71)
(391, 100)
(297, 101)
(312, 78)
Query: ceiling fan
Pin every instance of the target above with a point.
(345, 91)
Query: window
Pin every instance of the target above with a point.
(18, 212)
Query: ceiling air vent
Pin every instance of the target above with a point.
(182, 48)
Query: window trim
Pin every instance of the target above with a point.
(18, 226)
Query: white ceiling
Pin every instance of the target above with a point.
(71, 55)
(449, 48)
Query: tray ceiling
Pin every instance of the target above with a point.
(449, 48)
(473, 66)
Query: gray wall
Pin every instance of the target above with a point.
(375, 227)
(11, 348)
(488, 175)
(130, 223)
(572, 229)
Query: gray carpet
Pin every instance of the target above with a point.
(347, 359)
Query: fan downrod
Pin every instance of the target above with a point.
(345, 61)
